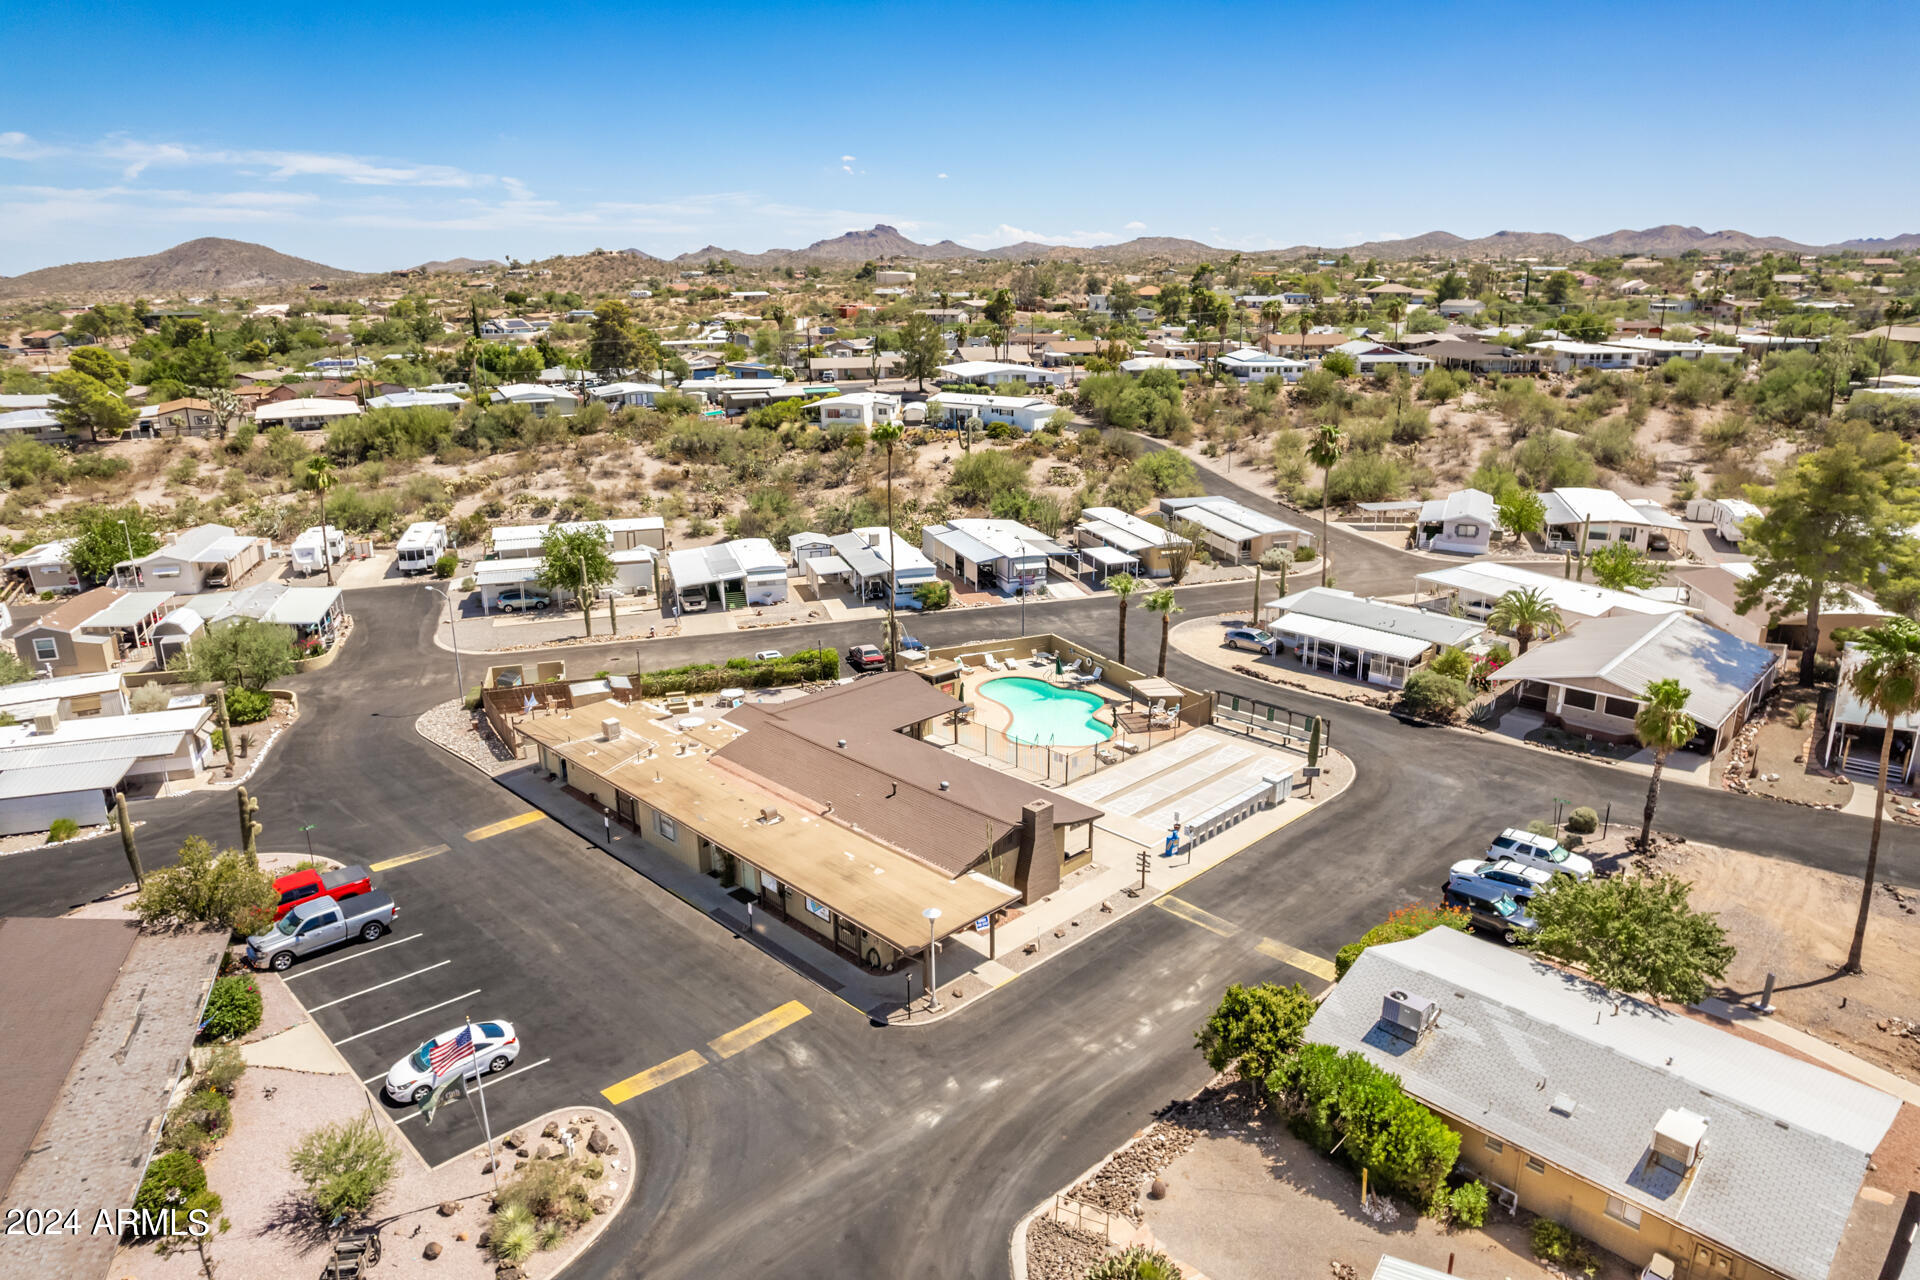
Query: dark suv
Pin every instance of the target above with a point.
(1496, 914)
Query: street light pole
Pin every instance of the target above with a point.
(933, 975)
(459, 676)
(129, 532)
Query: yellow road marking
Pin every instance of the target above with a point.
(1304, 960)
(505, 824)
(653, 1077)
(418, 855)
(1194, 915)
(759, 1029)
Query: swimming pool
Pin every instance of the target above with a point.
(1046, 716)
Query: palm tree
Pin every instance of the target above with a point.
(1394, 310)
(1306, 326)
(1525, 613)
(1163, 603)
(1123, 585)
(888, 434)
(1888, 681)
(1270, 313)
(1323, 453)
(320, 479)
(1663, 727)
(1894, 311)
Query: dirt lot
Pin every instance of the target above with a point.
(1796, 922)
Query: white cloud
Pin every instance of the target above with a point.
(18, 146)
(133, 157)
(846, 159)
(1135, 226)
(1005, 234)
(941, 176)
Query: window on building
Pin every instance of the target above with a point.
(1624, 1212)
(1536, 1165)
(1466, 531)
(668, 829)
(1581, 699)
(1624, 708)
(46, 649)
(1495, 1145)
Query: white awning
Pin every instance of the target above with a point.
(1385, 643)
(1108, 558)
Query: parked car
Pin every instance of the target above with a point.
(321, 923)
(514, 599)
(767, 655)
(339, 884)
(1489, 912)
(495, 1046)
(1252, 638)
(866, 657)
(1544, 852)
(1502, 875)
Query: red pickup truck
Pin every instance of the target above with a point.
(341, 883)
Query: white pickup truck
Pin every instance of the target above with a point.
(321, 923)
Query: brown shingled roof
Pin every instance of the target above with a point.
(883, 782)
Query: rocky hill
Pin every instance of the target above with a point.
(208, 265)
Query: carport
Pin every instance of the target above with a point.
(1107, 561)
(1345, 649)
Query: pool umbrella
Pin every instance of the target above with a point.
(1056, 664)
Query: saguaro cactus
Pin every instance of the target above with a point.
(249, 829)
(126, 840)
(226, 728)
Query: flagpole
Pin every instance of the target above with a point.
(479, 1088)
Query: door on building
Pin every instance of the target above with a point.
(627, 808)
(846, 935)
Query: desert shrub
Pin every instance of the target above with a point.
(247, 706)
(174, 1180)
(1434, 696)
(705, 677)
(979, 476)
(933, 595)
(1408, 922)
(1583, 821)
(1342, 1101)
(346, 1166)
(199, 1121)
(1467, 1205)
(227, 889)
(550, 1191)
(1303, 551)
(62, 829)
(1254, 1028)
(446, 566)
(1558, 1244)
(1453, 663)
(234, 1006)
(513, 1236)
(149, 697)
(222, 1070)
(1137, 1263)
(1367, 477)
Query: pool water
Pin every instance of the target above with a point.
(1046, 716)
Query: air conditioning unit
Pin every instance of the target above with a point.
(1408, 1016)
(1679, 1138)
(610, 728)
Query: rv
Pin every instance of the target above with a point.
(420, 546)
(311, 554)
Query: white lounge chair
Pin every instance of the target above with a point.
(1089, 677)
(994, 664)
(1168, 718)
(1159, 708)
(961, 664)
(1070, 668)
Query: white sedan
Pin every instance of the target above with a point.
(1543, 852)
(495, 1046)
(1498, 877)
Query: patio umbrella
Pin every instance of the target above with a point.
(1056, 664)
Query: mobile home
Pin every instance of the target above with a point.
(423, 543)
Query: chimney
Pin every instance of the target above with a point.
(1036, 871)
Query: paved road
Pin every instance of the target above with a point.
(831, 1147)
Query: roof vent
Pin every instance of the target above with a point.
(769, 816)
(944, 784)
(1409, 1016)
(1679, 1139)
(843, 744)
(1562, 1105)
(46, 721)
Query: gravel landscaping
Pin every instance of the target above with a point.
(466, 734)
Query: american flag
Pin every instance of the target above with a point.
(455, 1050)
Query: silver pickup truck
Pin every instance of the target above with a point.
(322, 923)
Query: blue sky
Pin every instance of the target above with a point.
(379, 136)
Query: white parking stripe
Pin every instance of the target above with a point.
(377, 986)
(490, 1082)
(378, 1075)
(304, 970)
(358, 1035)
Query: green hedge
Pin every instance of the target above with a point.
(234, 1006)
(247, 706)
(1342, 1101)
(743, 673)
